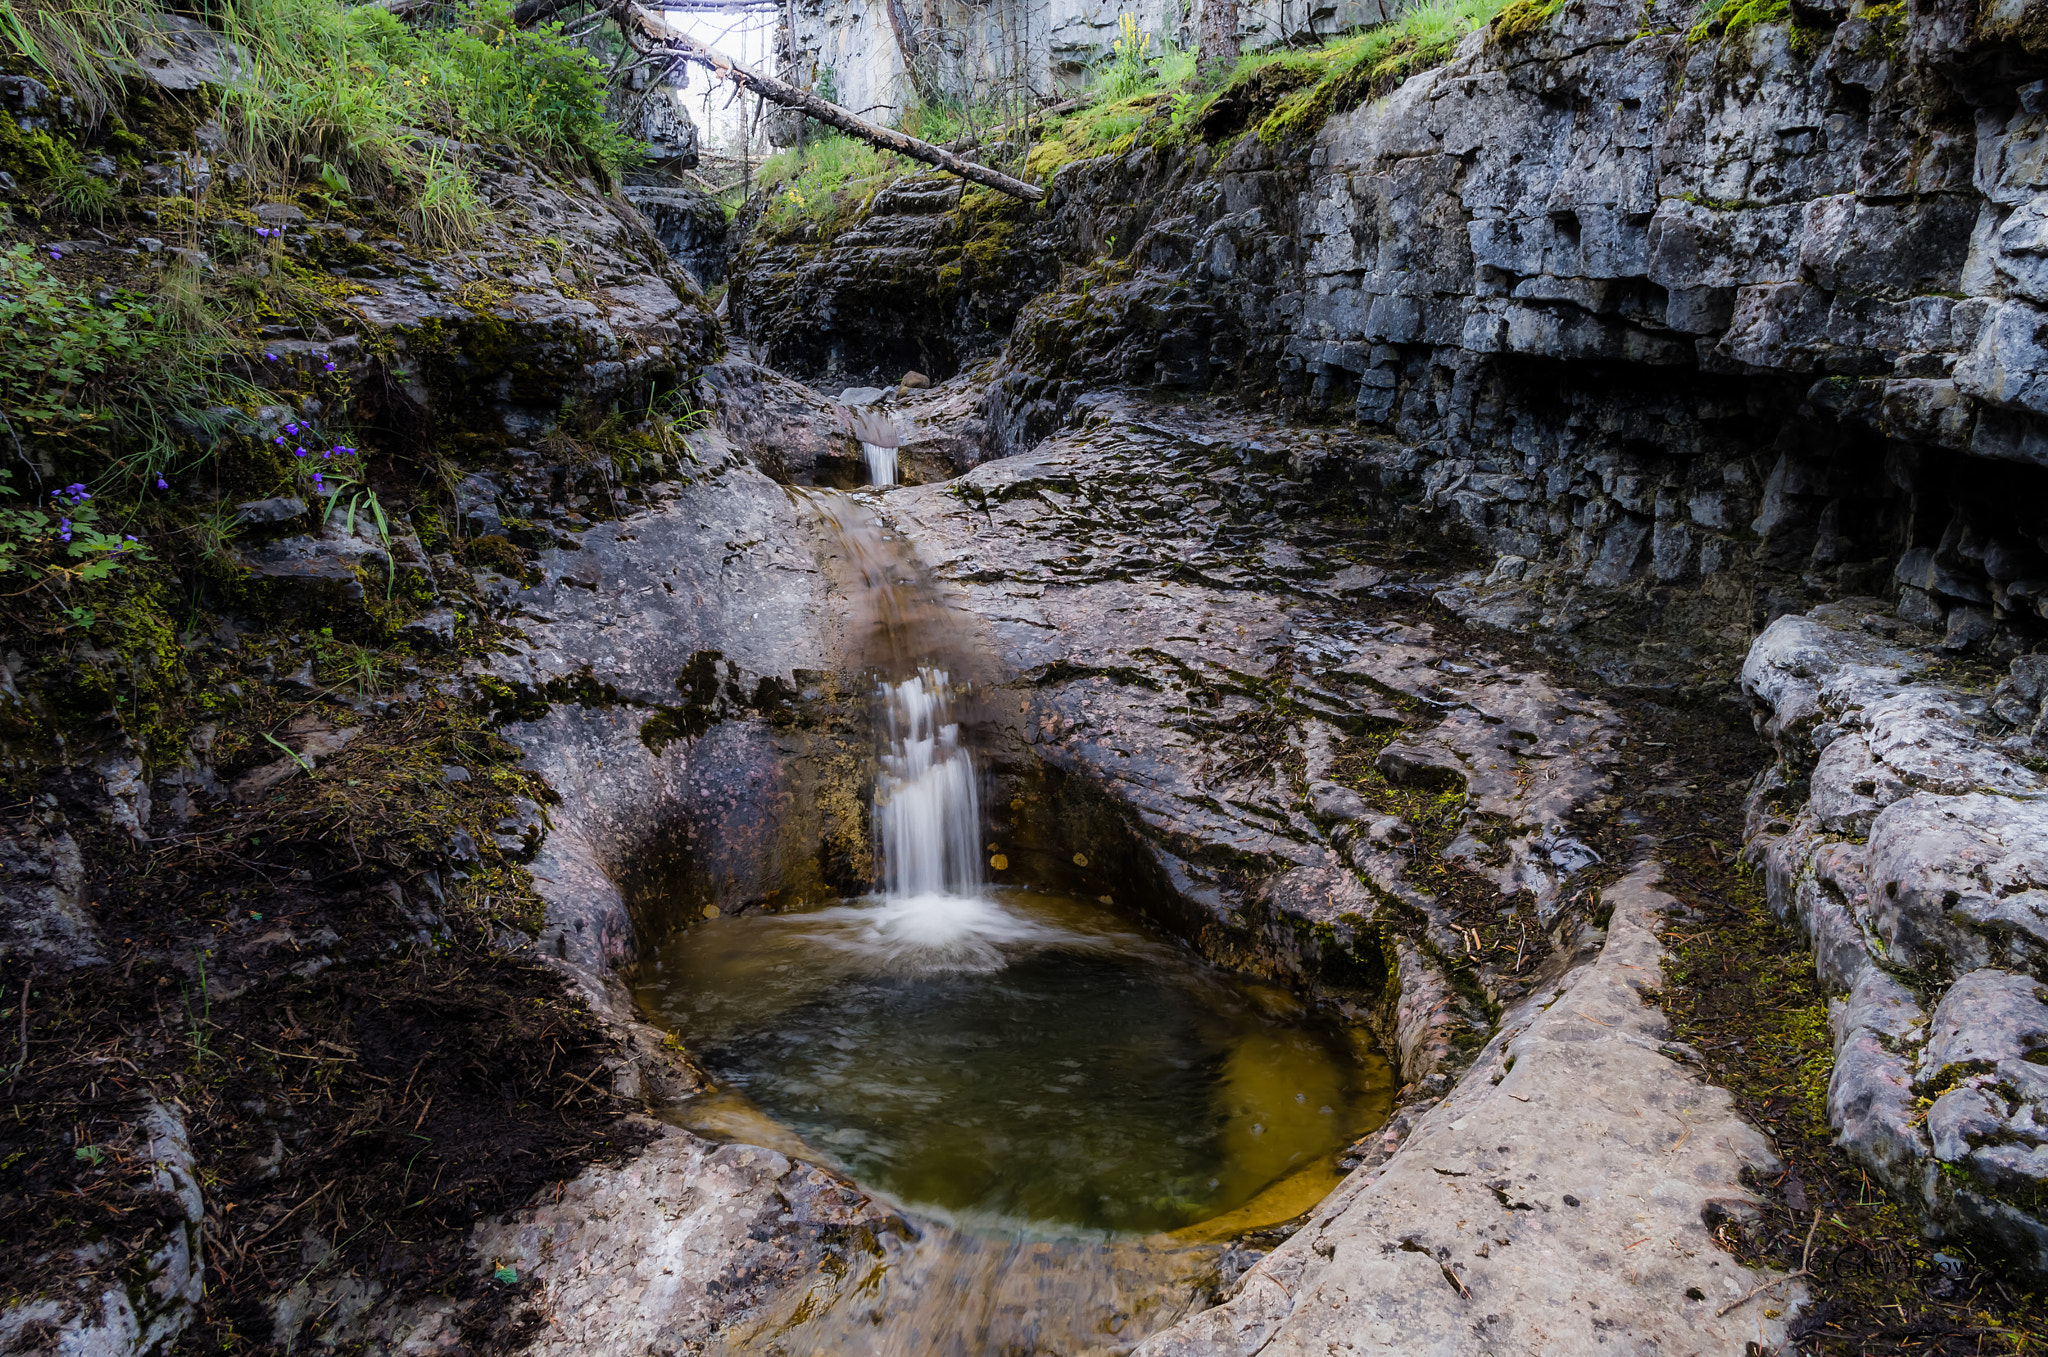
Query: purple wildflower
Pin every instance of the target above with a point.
(270, 357)
(64, 529)
(279, 440)
(330, 367)
(55, 255)
(162, 484)
(300, 451)
(263, 231)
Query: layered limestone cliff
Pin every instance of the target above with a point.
(879, 58)
(1689, 330)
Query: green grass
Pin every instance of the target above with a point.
(825, 180)
(1348, 72)
(341, 94)
(1733, 16)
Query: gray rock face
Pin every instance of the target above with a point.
(785, 428)
(266, 512)
(498, 336)
(1918, 863)
(656, 116)
(1514, 1218)
(1622, 329)
(690, 225)
(920, 282)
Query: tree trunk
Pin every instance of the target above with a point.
(907, 44)
(1218, 41)
(646, 32)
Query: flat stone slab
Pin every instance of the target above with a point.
(1557, 1202)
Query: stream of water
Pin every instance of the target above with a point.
(1041, 1082)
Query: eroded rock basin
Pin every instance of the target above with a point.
(1024, 1063)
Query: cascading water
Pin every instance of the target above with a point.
(933, 910)
(927, 806)
(881, 463)
(1068, 1103)
(879, 438)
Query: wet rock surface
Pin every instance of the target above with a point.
(1905, 828)
(1195, 633)
(1562, 1198)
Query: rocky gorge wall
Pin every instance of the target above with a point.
(878, 58)
(1666, 312)
(1689, 329)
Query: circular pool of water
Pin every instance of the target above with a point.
(1017, 1060)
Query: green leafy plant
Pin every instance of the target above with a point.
(1129, 66)
(360, 501)
(61, 543)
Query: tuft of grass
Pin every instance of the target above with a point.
(1520, 20)
(78, 192)
(1357, 69)
(825, 180)
(1728, 18)
(447, 208)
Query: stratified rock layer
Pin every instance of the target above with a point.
(1905, 827)
(1698, 331)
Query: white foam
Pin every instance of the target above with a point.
(933, 932)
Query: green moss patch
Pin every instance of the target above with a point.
(1740, 989)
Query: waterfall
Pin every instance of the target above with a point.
(881, 462)
(880, 435)
(927, 801)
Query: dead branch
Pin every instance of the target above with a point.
(646, 32)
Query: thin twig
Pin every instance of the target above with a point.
(21, 1060)
(1805, 1257)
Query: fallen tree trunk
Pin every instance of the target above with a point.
(647, 33)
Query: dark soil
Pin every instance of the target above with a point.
(1742, 991)
(364, 1070)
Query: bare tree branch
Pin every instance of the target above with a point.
(647, 32)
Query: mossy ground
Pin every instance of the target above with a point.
(1741, 989)
(327, 965)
